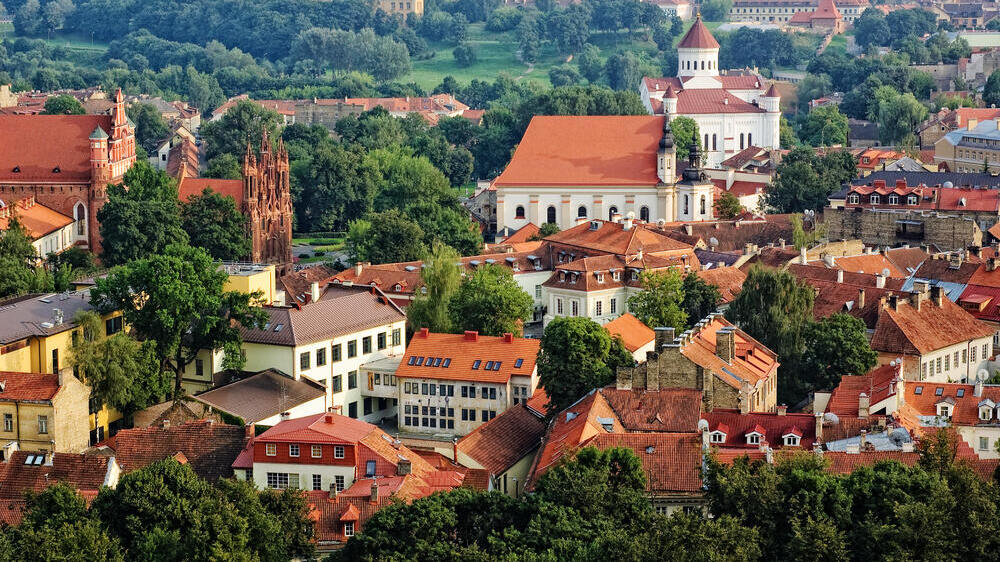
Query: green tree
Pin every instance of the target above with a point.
(141, 216)
(685, 134)
(799, 187)
(899, 117)
(63, 104)
(660, 301)
(700, 298)
(991, 91)
(224, 167)
(213, 222)
(122, 373)
(824, 126)
(464, 55)
(17, 274)
(835, 346)
(56, 526)
(728, 206)
(490, 302)
(242, 125)
(177, 301)
(577, 355)
(813, 86)
(774, 308)
(716, 10)
(786, 133)
(150, 128)
(386, 237)
(441, 275)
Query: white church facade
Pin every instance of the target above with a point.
(733, 111)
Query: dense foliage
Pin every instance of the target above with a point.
(805, 181)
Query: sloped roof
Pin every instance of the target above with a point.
(499, 443)
(31, 315)
(906, 259)
(671, 461)
(631, 330)
(260, 396)
(210, 448)
(911, 332)
(752, 361)
(38, 144)
(878, 384)
(189, 187)
(729, 280)
(28, 386)
(712, 100)
(845, 463)
(671, 410)
(468, 357)
(698, 37)
(83, 472)
(867, 263)
(613, 238)
(736, 426)
(37, 219)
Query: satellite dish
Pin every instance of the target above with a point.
(713, 241)
(982, 375)
(899, 436)
(660, 223)
(702, 425)
(831, 418)
(947, 185)
(886, 272)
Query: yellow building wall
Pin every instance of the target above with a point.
(262, 356)
(18, 361)
(27, 420)
(263, 281)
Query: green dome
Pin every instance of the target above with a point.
(98, 134)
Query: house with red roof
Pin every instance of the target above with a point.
(734, 111)
(209, 447)
(450, 384)
(636, 337)
(23, 472)
(50, 231)
(825, 19)
(504, 447)
(66, 162)
(42, 412)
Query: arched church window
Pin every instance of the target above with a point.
(612, 212)
(550, 214)
(703, 65)
(687, 207)
(644, 214)
(705, 145)
(519, 212)
(703, 204)
(581, 211)
(749, 139)
(741, 141)
(80, 214)
(714, 145)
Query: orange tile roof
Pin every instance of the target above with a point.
(190, 187)
(539, 401)
(671, 461)
(698, 37)
(909, 332)
(752, 363)
(867, 263)
(672, 410)
(906, 259)
(468, 357)
(586, 150)
(611, 237)
(878, 384)
(38, 144)
(965, 403)
(845, 463)
(729, 280)
(37, 219)
(499, 443)
(83, 472)
(631, 330)
(523, 234)
(28, 386)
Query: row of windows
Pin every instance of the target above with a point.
(315, 451)
(336, 351)
(944, 364)
(42, 423)
(876, 199)
(428, 389)
(581, 212)
(282, 480)
(469, 414)
(519, 393)
(686, 65)
(336, 382)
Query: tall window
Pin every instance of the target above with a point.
(581, 211)
(644, 213)
(369, 468)
(612, 211)
(750, 139)
(550, 214)
(686, 205)
(519, 212)
(43, 424)
(741, 141)
(714, 145)
(574, 308)
(80, 214)
(8, 422)
(304, 360)
(705, 145)
(703, 204)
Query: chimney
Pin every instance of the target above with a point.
(979, 388)
(663, 337)
(863, 404)
(616, 218)
(314, 290)
(404, 467)
(819, 427)
(471, 335)
(863, 440)
(57, 316)
(937, 295)
(840, 276)
(284, 416)
(328, 418)
(333, 490)
(782, 409)
(769, 455)
(454, 449)
(627, 223)
(991, 264)
(781, 242)
(894, 302)
(879, 281)
(976, 251)
(689, 230)
(374, 497)
(279, 297)
(249, 430)
(508, 337)
(165, 423)
(423, 333)
(725, 344)
(802, 256)
(358, 268)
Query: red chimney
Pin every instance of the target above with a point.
(879, 183)
(423, 332)
(508, 337)
(328, 418)
(471, 335)
(901, 183)
(249, 431)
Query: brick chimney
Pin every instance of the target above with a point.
(782, 409)
(333, 490)
(861, 297)
(508, 337)
(249, 430)
(819, 427)
(404, 467)
(423, 333)
(663, 336)
(864, 402)
(725, 344)
(937, 295)
(879, 281)
(471, 335)
(374, 496)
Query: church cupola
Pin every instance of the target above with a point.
(666, 156)
(771, 100)
(695, 192)
(670, 101)
(698, 52)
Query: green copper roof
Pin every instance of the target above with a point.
(129, 121)
(98, 133)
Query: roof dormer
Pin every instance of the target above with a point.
(986, 409)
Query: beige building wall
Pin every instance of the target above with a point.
(60, 425)
(261, 279)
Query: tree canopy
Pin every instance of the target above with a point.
(213, 223)
(661, 300)
(63, 104)
(490, 302)
(442, 276)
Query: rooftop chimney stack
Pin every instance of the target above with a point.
(840, 276)
(663, 336)
(937, 295)
(819, 427)
(864, 402)
(333, 490)
(861, 297)
(879, 281)
(374, 497)
(782, 409)
(725, 344)
(314, 290)
(802, 256)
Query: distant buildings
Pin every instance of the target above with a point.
(785, 11)
(975, 148)
(43, 412)
(327, 112)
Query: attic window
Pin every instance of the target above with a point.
(278, 327)
(600, 278)
(791, 440)
(717, 437)
(496, 365)
(919, 390)
(56, 170)
(616, 275)
(420, 361)
(411, 360)
(911, 200)
(938, 391)
(853, 199)
(960, 392)
(753, 439)
(985, 413)
(944, 410)
(398, 287)
(518, 362)
(476, 363)
(16, 170)
(894, 199)
(446, 363)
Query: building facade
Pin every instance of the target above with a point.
(44, 412)
(782, 11)
(50, 231)
(66, 162)
(976, 148)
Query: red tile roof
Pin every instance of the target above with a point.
(210, 448)
(910, 332)
(671, 461)
(906, 259)
(672, 410)
(965, 409)
(611, 237)
(822, 273)
(981, 302)
(712, 100)
(586, 150)
(873, 264)
(845, 463)
(38, 144)
(468, 357)
(37, 219)
(539, 401)
(28, 386)
(631, 330)
(878, 385)
(752, 362)
(190, 187)
(698, 37)
(773, 427)
(729, 280)
(83, 472)
(499, 443)
(523, 234)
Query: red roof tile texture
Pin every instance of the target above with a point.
(879, 384)
(752, 362)
(190, 187)
(907, 331)
(631, 330)
(38, 144)
(210, 448)
(83, 472)
(499, 443)
(729, 280)
(37, 219)
(468, 357)
(774, 427)
(27, 386)
(698, 37)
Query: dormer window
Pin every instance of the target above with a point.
(634, 276)
(617, 276)
(600, 278)
(894, 199)
(853, 199)
(717, 437)
(398, 287)
(753, 438)
(875, 199)
(944, 410)
(792, 440)
(911, 200)
(562, 276)
(985, 414)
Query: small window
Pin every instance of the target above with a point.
(304, 359)
(370, 469)
(293, 450)
(317, 482)
(875, 199)
(853, 199)
(518, 362)
(919, 390)
(338, 451)
(349, 526)
(271, 449)
(791, 441)
(352, 348)
(475, 364)
(717, 437)
(317, 451)
(519, 212)
(938, 391)
(985, 414)
(753, 439)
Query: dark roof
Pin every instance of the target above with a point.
(210, 448)
(83, 472)
(340, 310)
(31, 315)
(862, 130)
(708, 257)
(957, 179)
(297, 285)
(499, 443)
(266, 394)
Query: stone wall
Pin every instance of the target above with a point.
(947, 231)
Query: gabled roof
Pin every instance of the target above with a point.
(878, 384)
(846, 463)
(698, 37)
(612, 237)
(260, 396)
(210, 448)
(83, 472)
(772, 428)
(31, 315)
(37, 219)
(751, 363)
(671, 461)
(39, 144)
(468, 357)
(31, 387)
(501, 442)
(631, 330)
(921, 399)
(729, 280)
(189, 187)
(907, 331)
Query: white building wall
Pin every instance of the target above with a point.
(305, 472)
(964, 371)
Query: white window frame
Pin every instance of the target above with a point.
(293, 450)
(271, 449)
(792, 440)
(717, 437)
(338, 451)
(349, 529)
(753, 439)
(316, 451)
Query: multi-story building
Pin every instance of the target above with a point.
(50, 231)
(450, 384)
(327, 338)
(66, 162)
(729, 368)
(43, 412)
(504, 447)
(947, 120)
(36, 332)
(733, 111)
(782, 11)
(326, 112)
(976, 148)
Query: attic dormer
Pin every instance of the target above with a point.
(986, 409)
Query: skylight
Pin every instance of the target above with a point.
(518, 363)
(489, 365)
(960, 393)
(446, 363)
(475, 364)
(938, 391)
(278, 327)
(918, 390)
(496, 365)
(420, 361)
